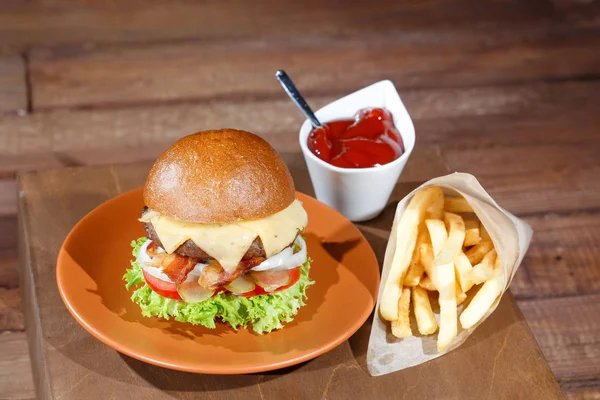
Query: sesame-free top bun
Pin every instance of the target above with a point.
(219, 176)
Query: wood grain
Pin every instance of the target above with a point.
(8, 197)
(9, 273)
(15, 368)
(563, 257)
(460, 117)
(535, 178)
(568, 331)
(66, 21)
(119, 75)
(508, 90)
(8, 232)
(79, 365)
(592, 393)
(11, 314)
(13, 88)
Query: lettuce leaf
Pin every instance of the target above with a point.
(263, 313)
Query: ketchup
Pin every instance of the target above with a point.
(369, 140)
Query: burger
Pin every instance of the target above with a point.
(223, 235)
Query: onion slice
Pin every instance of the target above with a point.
(271, 280)
(191, 292)
(241, 285)
(285, 259)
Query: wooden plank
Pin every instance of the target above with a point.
(568, 331)
(535, 178)
(8, 232)
(9, 273)
(582, 394)
(507, 115)
(578, 13)
(461, 120)
(61, 132)
(13, 88)
(62, 21)
(563, 258)
(11, 314)
(15, 368)
(8, 197)
(117, 75)
(74, 364)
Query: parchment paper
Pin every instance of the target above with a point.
(511, 238)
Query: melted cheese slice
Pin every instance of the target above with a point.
(227, 243)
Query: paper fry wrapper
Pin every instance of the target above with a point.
(511, 237)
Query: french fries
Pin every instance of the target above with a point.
(464, 271)
(457, 205)
(414, 274)
(483, 271)
(436, 250)
(427, 284)
(447, 300)
(477, 252)
(472, 236)
(406, 238)
(401, 326)
(423, 314)
(484, 299)
(436, 210)
(427, 262)
(415, 270)
(437, 233)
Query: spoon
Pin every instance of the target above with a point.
(296, 97)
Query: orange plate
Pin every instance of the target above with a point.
(96, 253)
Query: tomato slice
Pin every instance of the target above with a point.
(163, 288)
(294, 276)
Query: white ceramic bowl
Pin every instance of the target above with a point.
(359, 193)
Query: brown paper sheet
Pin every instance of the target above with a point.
(511, 237)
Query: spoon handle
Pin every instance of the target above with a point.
(295, 95)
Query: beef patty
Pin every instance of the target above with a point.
(190, 249)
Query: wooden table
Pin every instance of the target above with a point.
(501, 360)
(507, 90)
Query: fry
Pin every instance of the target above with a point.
(447, 301)
(477, 252)
(426, 284)
(484, 270)
(457, 205)
(460, 295)
(423, 314)
(437, 233)
(443, 265)
(406, 237)
(401, 326)
(471, 232)
(464, 269)
(414, 274)
(427, 263)
(484, 299)
(415, 269)
(453, 244)
(436, 210)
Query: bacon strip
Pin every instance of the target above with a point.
(177, 268)
(214, 276)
